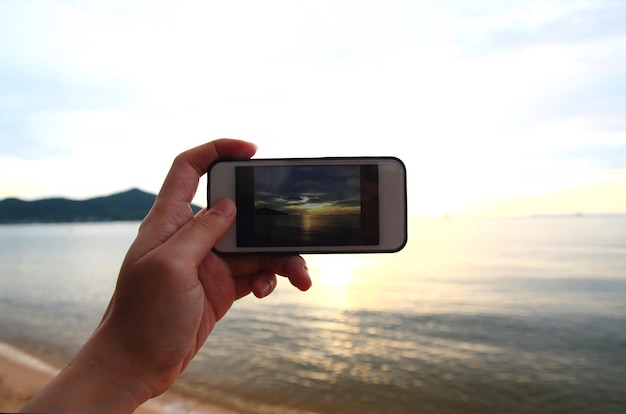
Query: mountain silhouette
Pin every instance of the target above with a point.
(129, 205)
(265, 211)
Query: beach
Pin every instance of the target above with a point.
(23, 374)
(474, 315)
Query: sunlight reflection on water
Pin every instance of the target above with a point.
(524, 315)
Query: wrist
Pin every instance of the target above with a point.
(95, 381)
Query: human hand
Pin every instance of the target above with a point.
(171, 291)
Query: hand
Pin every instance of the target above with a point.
(171, 291)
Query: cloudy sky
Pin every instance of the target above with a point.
(308, 190)
(496, 107)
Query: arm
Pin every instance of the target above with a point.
(171, 291)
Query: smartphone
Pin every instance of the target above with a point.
(312, 205)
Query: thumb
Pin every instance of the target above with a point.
(196, 238)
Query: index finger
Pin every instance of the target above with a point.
(171, 209)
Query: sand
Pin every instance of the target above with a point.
(23, 374)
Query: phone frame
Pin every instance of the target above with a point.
(392, 202)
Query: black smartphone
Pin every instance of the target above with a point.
(313, 205)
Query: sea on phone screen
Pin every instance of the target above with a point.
(307, 229)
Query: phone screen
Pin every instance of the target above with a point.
(307, 205)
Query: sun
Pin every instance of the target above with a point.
(334, 271)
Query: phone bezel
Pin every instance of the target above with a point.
(392, 189)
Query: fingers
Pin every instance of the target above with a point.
(261, 284)
(182, 180)
(171, 209)
(264, 285)
(293, 267)
(195, 240)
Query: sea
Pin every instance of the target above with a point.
(475, 315)
(306, 230)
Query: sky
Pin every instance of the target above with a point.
(496, 107)
(308, 190)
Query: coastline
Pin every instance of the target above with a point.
(23, 374)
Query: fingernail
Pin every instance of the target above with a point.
(306, 272)
(256, 147)
(268, 287)
(225, 207)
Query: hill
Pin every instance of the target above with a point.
(264, 211)
(130, 205)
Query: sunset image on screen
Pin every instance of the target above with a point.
(309, 190)
(307, 205)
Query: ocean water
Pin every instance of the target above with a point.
(524, 315)
(307, 230)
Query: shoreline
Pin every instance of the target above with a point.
(23, 373)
